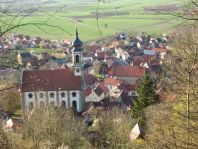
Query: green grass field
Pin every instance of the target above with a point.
(69, 13)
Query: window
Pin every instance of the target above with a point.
(77, 58)
(30, 105)
(77, 70)
(63, 104)
(30, 95)
(52, 103)
(41, 95)
(51, 95)
(73, 94)
(62, 95)
(131, 93)
(74, 104)
(41, 104)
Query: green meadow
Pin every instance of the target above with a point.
(115, 16)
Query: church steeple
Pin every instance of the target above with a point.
(77, 43)
(77, 55)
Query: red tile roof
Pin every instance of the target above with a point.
(127, 71)
(126, 87)
(50, 80)
(101, 54)
(88, 91)
(90, 79)
(112, 81)
(101, 88)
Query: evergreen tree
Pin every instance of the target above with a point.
(146, 97)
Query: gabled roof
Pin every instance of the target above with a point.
(102, 54)
(90, 79)
(50, 80)
(114, 61)
(127, 71)
(101, 88)
(88, 91)
(112, 81)
(136, 132)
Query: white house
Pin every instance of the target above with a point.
(61, 87)
(98, 94)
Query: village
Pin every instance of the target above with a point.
(98, 74)
(107, 74)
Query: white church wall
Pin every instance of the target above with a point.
(63, 98)
(75, 96)
(29, 98)
(52, 97)
(81, 100)
(41, 97)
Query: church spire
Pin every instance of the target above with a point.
(76, 32)
(77, 43)
(77, 55)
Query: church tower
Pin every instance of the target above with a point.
(77, 56)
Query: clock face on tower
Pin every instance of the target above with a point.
(77, 70)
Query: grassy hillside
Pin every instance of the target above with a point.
(115, 16)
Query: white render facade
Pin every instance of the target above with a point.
(66, 99)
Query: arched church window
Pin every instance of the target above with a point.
(73, 94)
(77, 58)
(41, 95)
(63, 104)
(51, 95)
(62, 95)
(52, 103)
(74, 104)
(30, 95)
(41, 104)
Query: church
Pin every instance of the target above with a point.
(60, 88)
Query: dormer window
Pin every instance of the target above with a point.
(30, 95)
(51, 95)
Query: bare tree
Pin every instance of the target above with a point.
(53, 127)
(115, 125)
(4, 142)
(188, 11)
(177, 124)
